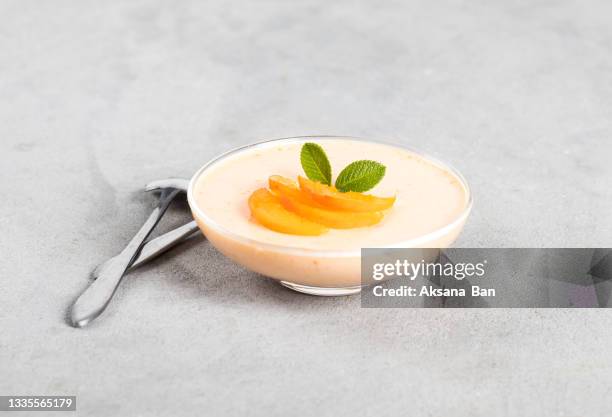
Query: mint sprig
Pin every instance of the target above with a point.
(358, 176)
(315, 163)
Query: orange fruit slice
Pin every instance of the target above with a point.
(268, 210)
(330, 218)
(286, 186)
(330, 197)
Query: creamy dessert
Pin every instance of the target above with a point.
(421, 203)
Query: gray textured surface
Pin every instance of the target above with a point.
(97, 98)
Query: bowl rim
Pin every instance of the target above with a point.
(296, 250)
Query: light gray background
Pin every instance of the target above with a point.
(97, 98)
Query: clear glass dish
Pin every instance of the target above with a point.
(320, 272)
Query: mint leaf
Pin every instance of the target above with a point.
(360, 176)
(315, 163)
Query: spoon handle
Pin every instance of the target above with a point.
(161, 244)
(97, 296)
(155, 247)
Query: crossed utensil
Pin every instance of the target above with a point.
(108, 275)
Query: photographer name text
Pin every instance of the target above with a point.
(431, 291)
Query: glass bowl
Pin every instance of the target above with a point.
(312, 271)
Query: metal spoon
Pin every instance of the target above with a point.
(155, 247)
(97, 296)
(160, 244)
(177, 183)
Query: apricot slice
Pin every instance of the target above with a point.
(331, 218)
(286, 186)
(267, 210)
(331, 198)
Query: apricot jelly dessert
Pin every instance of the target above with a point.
(272, 225)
